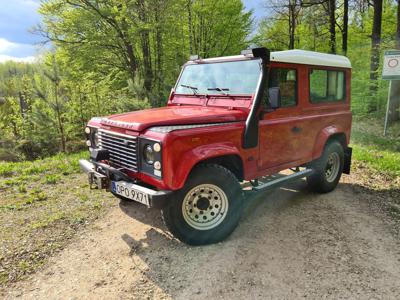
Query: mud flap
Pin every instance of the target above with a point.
(347, 160)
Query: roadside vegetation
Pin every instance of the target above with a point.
(43, 204)
(372, 148)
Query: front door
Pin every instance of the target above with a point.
(281, 129)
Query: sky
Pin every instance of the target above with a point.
(17, 17)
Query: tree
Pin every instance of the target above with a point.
(375, 52)
(332, 25)
(329, 7)
(398, 25)
(345, 28)
(53, 93)
(294, 10)
(287, 14)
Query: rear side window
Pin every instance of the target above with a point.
(327, 86)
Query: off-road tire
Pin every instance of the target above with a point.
(204, 180)
(321, 181)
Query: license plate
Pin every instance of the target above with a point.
(127, 190)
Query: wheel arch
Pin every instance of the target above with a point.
(332, 133)
(225, 155)
(232, 162)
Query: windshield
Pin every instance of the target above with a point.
(234, 77)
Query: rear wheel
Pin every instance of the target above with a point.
(207, 209)
(327, 169)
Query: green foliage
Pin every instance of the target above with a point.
(111, 56)
(60, 163)
(312, 33)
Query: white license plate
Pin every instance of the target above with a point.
(128, 190)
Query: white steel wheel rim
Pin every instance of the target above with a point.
(332, 167)
(205, 207)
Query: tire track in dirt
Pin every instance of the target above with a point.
(289, 244)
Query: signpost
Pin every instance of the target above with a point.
(391, 71)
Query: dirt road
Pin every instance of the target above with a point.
(289, 244)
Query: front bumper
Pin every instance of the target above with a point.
(103, 179)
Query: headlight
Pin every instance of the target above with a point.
(150, 157)
(148, 154)
(95, 139)
(92, 135)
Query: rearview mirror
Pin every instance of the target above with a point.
(274, 97)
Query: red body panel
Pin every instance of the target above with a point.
(279, 147)
(173, 115)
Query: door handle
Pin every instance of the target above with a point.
(296, 129)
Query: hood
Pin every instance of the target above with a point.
(173, 115)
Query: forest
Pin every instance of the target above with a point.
(108, 56)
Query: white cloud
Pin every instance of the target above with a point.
(6, 46)
(16, 51)
(27, 59)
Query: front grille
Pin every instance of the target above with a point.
(122, 149)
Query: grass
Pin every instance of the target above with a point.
(370, 147)
(43, 204)
(60, 163)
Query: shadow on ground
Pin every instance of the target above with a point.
(289, 243)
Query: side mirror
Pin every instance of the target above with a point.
(274, 97)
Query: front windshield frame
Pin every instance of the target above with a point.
(217, 92)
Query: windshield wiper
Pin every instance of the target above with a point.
(222, 90)
(193, 88)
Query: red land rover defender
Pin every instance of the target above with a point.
(228, 120)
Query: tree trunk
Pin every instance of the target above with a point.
(345, 26)
(292, 23)
(398, 26)
(159, 51)
(190, 26)
(395, 101)
(81, 108)
(332, 25)
(375, 54)
(145, 43)
(395, 104)
(59, 118)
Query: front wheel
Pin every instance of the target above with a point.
(327, 169)
(207, 209)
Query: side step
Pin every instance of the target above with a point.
(282, 180)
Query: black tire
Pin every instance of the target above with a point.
(208, 185)
(322, 181)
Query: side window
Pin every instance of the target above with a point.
(327, 86)
(285, 81)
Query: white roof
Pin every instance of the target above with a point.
(296, 57)
(311, 58)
